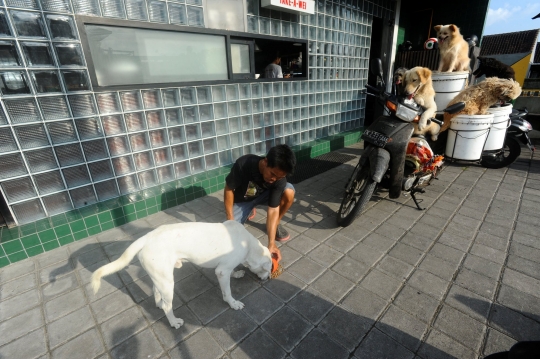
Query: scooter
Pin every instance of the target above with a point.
(517, 131)
(389, 156)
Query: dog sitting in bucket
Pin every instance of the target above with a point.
(480, 97)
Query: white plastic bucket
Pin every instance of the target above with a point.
(447, 85)
(467, 136)
(497, 133)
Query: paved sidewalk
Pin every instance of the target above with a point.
(461, 279)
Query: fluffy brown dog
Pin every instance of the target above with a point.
(478, 98)
(453, 49)
(418, 86)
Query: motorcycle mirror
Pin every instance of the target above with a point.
(376, 67)
(455, 108)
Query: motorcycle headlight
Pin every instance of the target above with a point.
(528, 125)
(405, 113)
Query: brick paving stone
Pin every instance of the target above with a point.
(483, 266)
(468, 302)
(19, 304)
(16, 287)
(379, 345)
(418, 241)
(20, 325)
(258, 345)
(319, 233)
(55, 271)
(311, 304)
(488, 253)
(16, 270)
(455, 241)
(497, 342)
(208, 305)
(64, 304)
(440, 346)
(390, 231)
(394, 267)
(290, 335)
(476, 283)
(333, 285)
(200, 346)
(522, 282)
(319, 346)
(285, 286)
(340, 243)
(512, 323)
(364, 303)
(302, 244)
(406, 253)
(519, 301)
(400, 221)
(289, 256)
(461, 327)
(447, 253)
(109, 284)
(32, 345)
(306, 269)
(441, 268)
(230, 328)
(86, 345)
(488, 240)
(192, 286)
(351, 269)
(525, 266)
(466, 221)
(169, 336)
(122, 326)
(502, 221)
(365, 254)
(471, 212)
(344, 327)
(378, 242)
(325, 255)
(381, 284)
(402, 327)
(141, 289)
(428, 282)
(457, 229)
(69, 326)
(495, 230)
(523, 251)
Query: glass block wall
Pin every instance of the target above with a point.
(64, 146)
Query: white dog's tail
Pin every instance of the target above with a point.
(118, 264)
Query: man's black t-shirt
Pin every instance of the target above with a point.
(248, 183)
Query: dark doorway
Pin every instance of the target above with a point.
(373, 109)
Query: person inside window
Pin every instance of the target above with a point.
(273, 70)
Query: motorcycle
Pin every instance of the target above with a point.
(517, 131)
(392, 158)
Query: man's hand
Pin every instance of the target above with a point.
(274, 251)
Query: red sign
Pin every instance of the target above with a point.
(295, 6)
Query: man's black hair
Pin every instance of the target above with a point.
(282, 157)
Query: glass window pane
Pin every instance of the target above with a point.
(128, 56)
(240, 58)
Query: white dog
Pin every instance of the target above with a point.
(222, 246)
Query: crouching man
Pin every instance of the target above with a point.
(256, 180)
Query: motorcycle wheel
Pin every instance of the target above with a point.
(358, 192)
(505, 157)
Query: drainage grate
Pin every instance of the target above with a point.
(318, 165)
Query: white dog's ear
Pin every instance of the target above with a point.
(453, 28)
(424, 73)
(437, 28)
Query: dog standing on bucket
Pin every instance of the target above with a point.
(480, 97)
(453, 49)
(222, 246)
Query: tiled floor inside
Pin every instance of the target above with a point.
(458, 280)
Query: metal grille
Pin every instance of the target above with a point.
(151, 98)
(130, 101)
(31, 136)
(108, 102)
(82, 196)
(40, 160)
(23, 110)
(139, 141)
(49, 182)
(89, 7)
(76, 176)
(89, 128)
(62, 131)
(56, 5)
(82, 105)
(57, 203)
(19, 189)
(165, 174)
(95, 150)
(128, 184)
(112, 8)
(113, 125)
(7, 142)
(29, 211)
(147, 179)
(69, 154)
(117, 145)
(54, 108)
(135, 121)
(106, 190)
(100, 170)
(136, 9)
(123, 165)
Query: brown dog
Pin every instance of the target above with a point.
(419, 87)
(480, 97)
(453, 49)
